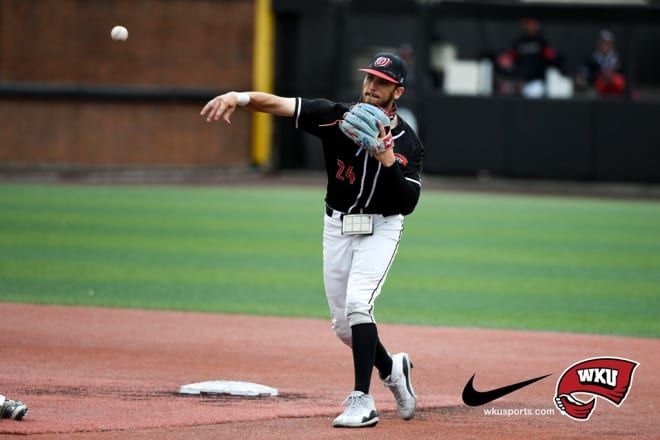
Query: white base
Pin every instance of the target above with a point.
(232, 388)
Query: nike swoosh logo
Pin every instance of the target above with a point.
(472, 397)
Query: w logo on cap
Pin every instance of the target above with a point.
(382, 62)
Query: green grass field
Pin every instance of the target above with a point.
(523, 262)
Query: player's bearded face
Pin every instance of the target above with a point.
(378, 92)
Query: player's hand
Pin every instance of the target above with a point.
(382, 131)
(222, 106)
(387, 157)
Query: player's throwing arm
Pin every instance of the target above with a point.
(223, 106)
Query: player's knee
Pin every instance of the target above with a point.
(359, 315)
(343, 332)
(358, 319)
(345, 337)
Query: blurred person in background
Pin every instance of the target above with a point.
(527, 60)
(602, 71)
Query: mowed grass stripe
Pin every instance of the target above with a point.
(500, 257)
(466, 259)
(124, 243)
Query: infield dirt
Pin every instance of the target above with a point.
(94, 373)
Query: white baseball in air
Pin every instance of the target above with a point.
(119, 33)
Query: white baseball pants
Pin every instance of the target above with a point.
(355, 268)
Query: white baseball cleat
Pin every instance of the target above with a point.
(401, 386)
(360, 412)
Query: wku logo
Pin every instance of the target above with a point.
(382, 62)
(607, 378)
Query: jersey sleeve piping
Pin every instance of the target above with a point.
(297, 110)
(414, 181)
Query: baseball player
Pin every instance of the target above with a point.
(373, 162)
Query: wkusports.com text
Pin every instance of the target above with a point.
(518, 412)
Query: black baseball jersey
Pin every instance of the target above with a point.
(533, 55)
(358, 183)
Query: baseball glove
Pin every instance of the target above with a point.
(360, 124)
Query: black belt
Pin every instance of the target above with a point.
(329, 211)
